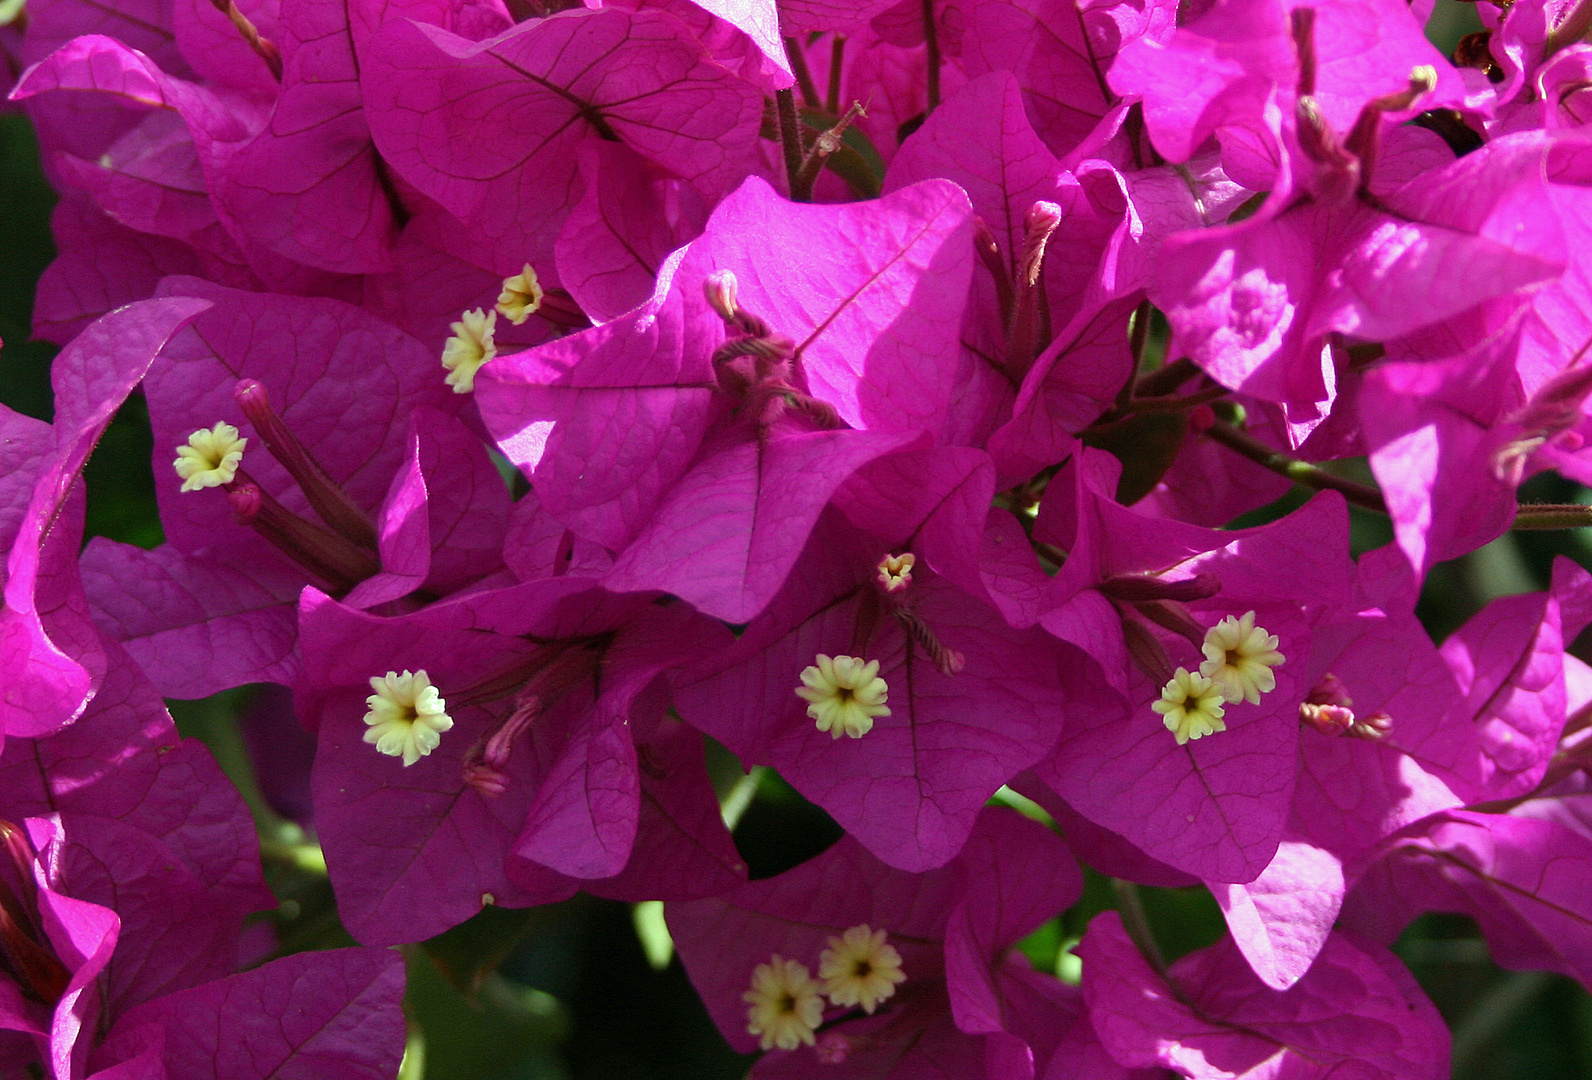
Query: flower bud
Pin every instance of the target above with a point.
(723, 288)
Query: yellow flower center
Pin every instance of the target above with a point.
(405, 716)
(784, 1004)
(895, 571)
(521, 296)
(1239, 658)
(860, 968)
(844, 694)
(211, 457)
(1190, 706)
(470, 347)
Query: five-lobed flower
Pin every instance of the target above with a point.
(844, 694)
(211, 457)
(1191, 706)
(860, 968)
(784, 1004)
(1239, 657)
(406, 715)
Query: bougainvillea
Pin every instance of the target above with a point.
(902, 397)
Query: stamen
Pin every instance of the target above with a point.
(785, 1007)
(845, 694)
(860, 968)
(469, 348)
(406, 716)
(211, 457)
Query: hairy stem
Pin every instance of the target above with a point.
(804, 77)
(790, 136)
(1552, 516)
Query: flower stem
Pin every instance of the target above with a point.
(931, 41)
(798, 68)
(1301, 472)
(790, 136)
(1137, 924)
(801, 188)
(1553, 516)
(837, 56)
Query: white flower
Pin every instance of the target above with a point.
(785, 1004)
(470, 346)
(844, 694)
(406, 716)
(521, 296)
(860, 968)
(1191, 706)
(1239, 659)
(211, 457)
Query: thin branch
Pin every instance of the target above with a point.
(931, 40)
(1301, 472)
(801, 189)
(1552, 516)
(837, 59)
(1164, 380)
(804, 77)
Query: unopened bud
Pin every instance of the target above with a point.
(1146, 652)
(722, 289)
(1145, 587)
(245, 502)
(1041, 220)
(1376, 727)
(1554, 410)
(833, 1048)
(1043, 217)
(1327, 719)
(330, 502)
